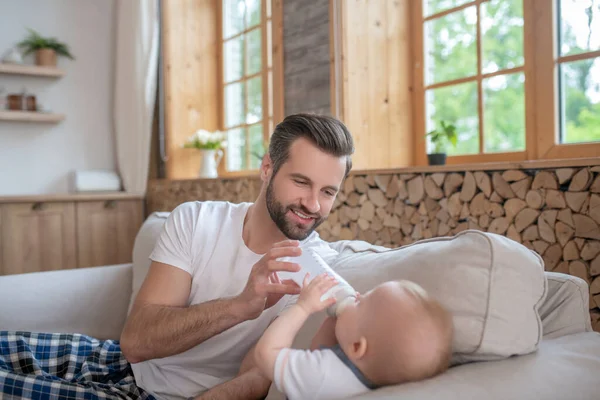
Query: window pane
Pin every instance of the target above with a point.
(233, 17)
(451, 51)
(504, 113)
(254, 52)
(434, 6)
(580, 101)
(579, 26)
(456, 104)
(233, 63)
(256, 145)
(234, 104)
(254, 113)
(502, 35)
(252, 13)
(236, 149)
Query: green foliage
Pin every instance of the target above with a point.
(34, 41)
(215, 145)
(440, 138)
(451, 54)
(586, 128)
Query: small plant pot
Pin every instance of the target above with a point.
(45, 57)
(437, 158)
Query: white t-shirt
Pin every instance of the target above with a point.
(319, 374)
(205, 240)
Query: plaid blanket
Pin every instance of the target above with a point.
(64, 366)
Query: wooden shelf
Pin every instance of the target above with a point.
(31, 70)
(30, 116)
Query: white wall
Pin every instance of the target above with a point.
(39, 158)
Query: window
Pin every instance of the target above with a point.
(519, 79)
(578, 42)
(248, 74)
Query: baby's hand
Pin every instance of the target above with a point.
(310, 296)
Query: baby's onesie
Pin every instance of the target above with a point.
(320, 374)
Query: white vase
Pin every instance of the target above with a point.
(209, 162)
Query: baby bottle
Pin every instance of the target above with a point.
(310, 261)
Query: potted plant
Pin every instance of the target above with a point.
(46, 49)
(211, 146)
(440, 138)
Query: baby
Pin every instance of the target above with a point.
(392, 334)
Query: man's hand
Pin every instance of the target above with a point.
(264, 288)
(310, 297)
(273, 298)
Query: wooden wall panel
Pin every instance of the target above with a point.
(376, 81)
(192, 96)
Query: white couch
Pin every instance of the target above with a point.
(95, 301)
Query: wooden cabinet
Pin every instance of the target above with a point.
(106, 231)
(63, 232)
(38, 237)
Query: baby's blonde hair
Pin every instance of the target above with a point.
(412, 345)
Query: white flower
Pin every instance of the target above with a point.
(205, 139)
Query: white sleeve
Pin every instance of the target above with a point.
(174, 244)
(300, 374)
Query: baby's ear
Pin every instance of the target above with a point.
(359, 348)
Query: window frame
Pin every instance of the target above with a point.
(540, 67)
(272, 98)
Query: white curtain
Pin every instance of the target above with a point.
(137, 37)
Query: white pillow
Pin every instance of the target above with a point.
(143, 246)
(492, 285)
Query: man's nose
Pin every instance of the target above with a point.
(311, 203)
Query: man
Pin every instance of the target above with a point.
(213, 285)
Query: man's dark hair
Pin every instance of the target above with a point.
(327, 133)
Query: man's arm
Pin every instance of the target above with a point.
(249, 385)
(161, 325)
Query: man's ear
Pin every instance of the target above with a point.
(266, 168)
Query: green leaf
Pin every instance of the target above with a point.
(34, 41)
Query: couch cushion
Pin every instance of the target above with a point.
(563, 368)
(143, 246)
(566, 308)
(91, 301)
(492, 285)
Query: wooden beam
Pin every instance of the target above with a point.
(191, 79)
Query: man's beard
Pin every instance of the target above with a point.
(278, 213)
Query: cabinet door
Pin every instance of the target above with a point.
(106, 231)
(38, 237)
